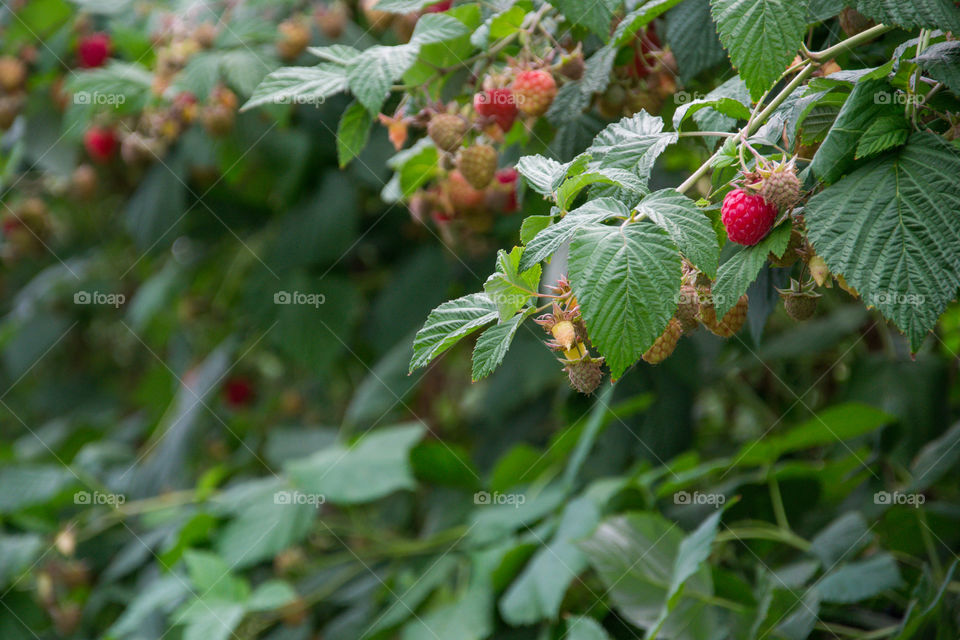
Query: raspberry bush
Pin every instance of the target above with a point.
(706, 391)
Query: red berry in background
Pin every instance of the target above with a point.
(238, 392)
(440, 6)
(502, 194)
(644, 59)
(498, 104)
(534, 91)
(747, 217)
(94, 50)
(100, 143)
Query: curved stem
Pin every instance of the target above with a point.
(849, 43)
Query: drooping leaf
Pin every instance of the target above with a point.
(762, 37)
(493, 344)
(688, 227)
(450, 322)
(626, 280)
(735, 275)
(891, 229)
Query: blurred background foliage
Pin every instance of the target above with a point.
(198, 398)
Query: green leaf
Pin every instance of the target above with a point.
(885, 133)
(635, 555)
(25, 486)
(374, 466)
(299, 85)
(212, 577)
(595, 16)
(736, 274)
(271, 595)
(553, 237)
(544, 175)
(935, 460)
(626, 280)
(925, 603)
(532, 225)
(640, 18)
(418, 169)
(402, 6)
(841, 539)
(762, 37)
(633, 144)
(830, 426)
(538, 592)
(865, 104)
(584, 628)
(858, 581)
(437, 27)
(467, 618)
(415, 587)
(729, 107)
(688, 227)
(17, 552)
(340, 54)
(891, 229)
(373, 73)
(941, 62)
(353, 132)
(493, 344)
(450, 322)
(509, 287)
(926, 14)
(619, 178)
(692, 37)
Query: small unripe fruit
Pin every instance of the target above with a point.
(687, 308)
(10, 106)
(664, 345)
(447, 131)
(730, 324)
(463, 197)
(585, 374)
(332, 19)
(13, 73)
(565, 334)
(478, 164)
(378, 20)
(83, 182)
(293, 39)
(205, 34)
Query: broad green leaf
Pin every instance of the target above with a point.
(25, 486)
(926, 602)
(626, 279)
(941, 61)
(509, 287)
(353, 132)
(927, 14)
(762, 37)
(271, 595)
(212, 576)
(710, 119)
(450, 322)
(437, 27)
(736, 274)
(469, 617)
(639, 18)
(132, 82)
(692, 37)
(415, 587)
(610, 176)
(891, 229)
(372, 74)
(493, 522)
(688, 227)
(935, 459)
(865, 104)
(493, 344)
(337, 53)
(538, 592)
(827, 427)
(818, 10)
(403, 6)
(595, 16)
(858, 581)
(532, 225)
(545, 243)
(584, 628)
(885, 133)
(841, 539)
(299, 85)
(373, 467)
(635, 555)
(208, 619)
(542, 174)
(418, 169)
(632, 143)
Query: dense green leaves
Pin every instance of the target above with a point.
(688, 227)
(633, 143)
(890, 229)
(762, 37)
(929, 14)
(299, 85)
(493, 344)
(510, 286)
(626, 279)
(942, 62)
(553, 237)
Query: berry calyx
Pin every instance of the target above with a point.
(497, 104)
(534, 91)
(664, 346)
(100, 143)
(747, 218)
(93, 50)
(800, 301)
(447, 131)
(478, 164)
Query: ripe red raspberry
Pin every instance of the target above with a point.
(534, 91)
(498, 104)
(94, 50)
(238, 392)
(100, 143)
(478, 164)
(747, 218)
(440, 7)
(502, 194)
